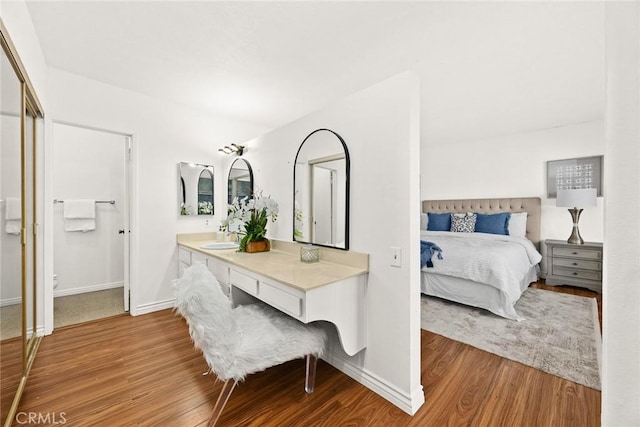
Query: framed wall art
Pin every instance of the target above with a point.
(581, 172)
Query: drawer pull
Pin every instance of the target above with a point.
(574, 253)
(575, 263)
(575, 274)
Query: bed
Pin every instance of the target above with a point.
(483, 269)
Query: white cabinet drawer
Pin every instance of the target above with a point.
(244, 282)
(181, 268)
(184, 255)
(197, 257)
(281, 299)
(219, 269)
(577, 253)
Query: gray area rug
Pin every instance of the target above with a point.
(560, 335)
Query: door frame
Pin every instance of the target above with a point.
(128, 221)
(331, 174)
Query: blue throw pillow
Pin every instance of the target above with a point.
(493, 223)
(439, 221)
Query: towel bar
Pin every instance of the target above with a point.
(111, 202)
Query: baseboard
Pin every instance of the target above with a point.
(10, 301)
(154, 306)
(86, 289)
(408, 403)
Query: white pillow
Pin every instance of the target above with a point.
(424, 221)
(518, 224)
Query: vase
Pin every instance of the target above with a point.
(258, 246)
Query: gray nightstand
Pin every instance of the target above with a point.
(575, 265)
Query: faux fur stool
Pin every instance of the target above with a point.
(239, 341)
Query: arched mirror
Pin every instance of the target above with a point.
(195, 196)
(205, 193)
(321, 190)
(240, 182)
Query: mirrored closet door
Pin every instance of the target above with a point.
(20, 130)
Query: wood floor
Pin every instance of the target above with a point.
(143, 371)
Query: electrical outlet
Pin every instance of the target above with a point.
(206, 222)
(396, 257)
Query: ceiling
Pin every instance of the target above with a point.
(486, 68)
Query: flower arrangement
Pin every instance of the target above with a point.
(205, 208)
(253, 215)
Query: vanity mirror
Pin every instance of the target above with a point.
(240, 182)
(321, 190)
(196, 189)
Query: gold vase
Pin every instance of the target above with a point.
(258, 246)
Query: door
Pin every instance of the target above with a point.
(91, 164)
(21, 124)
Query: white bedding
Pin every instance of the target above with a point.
(504, 265)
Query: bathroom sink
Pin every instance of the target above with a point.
(220, 245)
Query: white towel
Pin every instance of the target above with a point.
(79, 215)
(12, 215)
(12, 226)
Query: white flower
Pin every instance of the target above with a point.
(240, 212)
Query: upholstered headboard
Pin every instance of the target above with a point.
(531, 205)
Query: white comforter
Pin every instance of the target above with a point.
(498, 261)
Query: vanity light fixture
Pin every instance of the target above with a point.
(232, 149)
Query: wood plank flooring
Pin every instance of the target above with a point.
(10, 373)
(143, 371)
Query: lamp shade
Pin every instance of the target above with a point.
(577, 198)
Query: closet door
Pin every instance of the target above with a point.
(20, 118)
(11, 309)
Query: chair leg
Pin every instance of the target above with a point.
(225, 393)
(310, 377)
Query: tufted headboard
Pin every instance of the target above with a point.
(531, 205)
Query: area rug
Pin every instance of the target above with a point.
(560, 335)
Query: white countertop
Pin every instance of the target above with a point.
(282, 262)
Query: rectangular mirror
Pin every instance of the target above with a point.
(195, 185)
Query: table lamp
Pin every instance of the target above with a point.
(576, 199)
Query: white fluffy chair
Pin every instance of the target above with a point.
(239, 341)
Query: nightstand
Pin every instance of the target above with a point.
(575, 265)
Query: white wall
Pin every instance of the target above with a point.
(89, 164)
(164, 134)
(515, 166)
(380, 127)
(621, 288)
